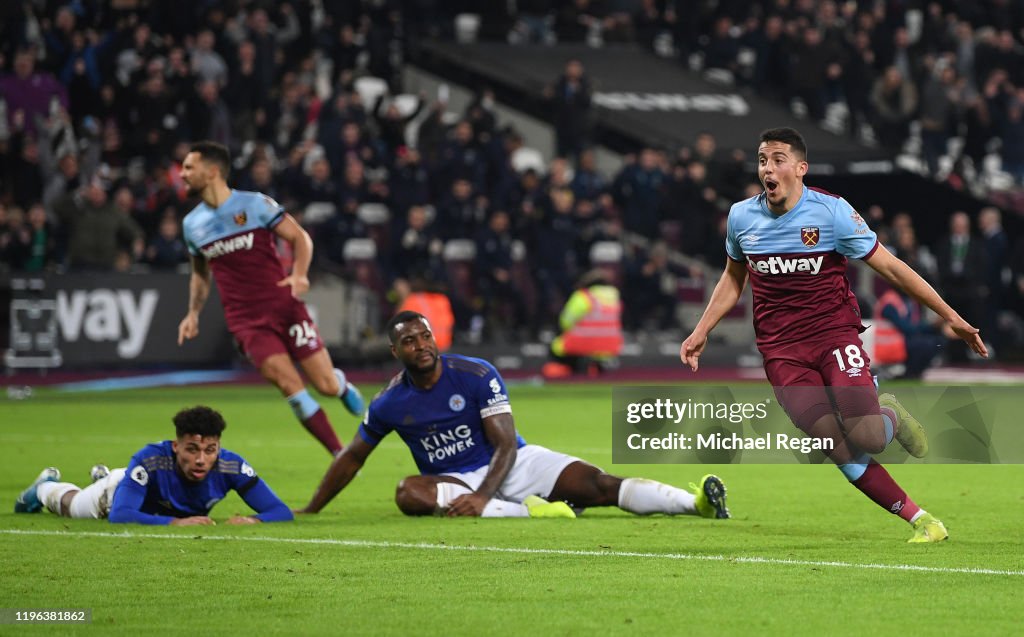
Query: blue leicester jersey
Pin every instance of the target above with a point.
(797, 264)
(443, 425)
(153, 475)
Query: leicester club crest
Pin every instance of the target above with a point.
(809, 236)
(241, 217)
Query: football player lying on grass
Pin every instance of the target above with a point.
(454, 414)
(174, 482)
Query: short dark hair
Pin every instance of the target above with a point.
(214, 153)
(402, 317)
(199, 420)
(786, 135)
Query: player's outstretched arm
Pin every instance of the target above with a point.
(127, 505)
(500, 430)
(898, 273)
(339, 474)
(198, 291)
(302, 248)
(268, 507)
(723, 299)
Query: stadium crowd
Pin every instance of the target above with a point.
(101, 100)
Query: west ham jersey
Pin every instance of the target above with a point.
(443, 425)
(238, 239)
(797, 264)
(153, 472)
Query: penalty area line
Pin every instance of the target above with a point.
(423, 546)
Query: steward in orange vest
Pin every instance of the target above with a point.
(591, 324)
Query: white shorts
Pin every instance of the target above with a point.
(95, 500)
(535, 472)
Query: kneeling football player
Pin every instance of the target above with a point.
(174, 482)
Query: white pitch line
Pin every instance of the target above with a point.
(527, 551)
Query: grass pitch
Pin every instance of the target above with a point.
(805, 553)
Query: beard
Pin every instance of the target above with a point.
(424, 368)
(193, 191)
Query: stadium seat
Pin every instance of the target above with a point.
(318, 211)
(377, 218)
(671, 232)
(373, 213)
(524, 159)
(458, 256)
(607, 257)
(405, 103)
(522, 279)
(369, 89)
(691, 290)
(361, 263)
(467, 25)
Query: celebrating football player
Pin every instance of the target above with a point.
(232, 233)
(792, 242)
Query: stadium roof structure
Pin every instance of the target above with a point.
(642, 100)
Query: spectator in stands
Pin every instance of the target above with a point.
(1011, 130)
(940, 101)
(39, 239)
(391, 123)
(962, 270)
(408, 180)
(812, 61)
(918, 257)
(638, 189)
(554, 258)
(461, 213)
(996, 247)
(650, 292)
(587, 183)
(495, 284)
(419, 249)
(97, 231)
(245, 93)
(459, 157)
(167, 250)
(893, 103)
(30, 94)
(570, 99)
(921, 337)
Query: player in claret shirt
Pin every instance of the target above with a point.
(173, 482)
(453, 413)
(232, 233)
(792, 242)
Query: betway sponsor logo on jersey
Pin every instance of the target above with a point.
(227, 246)
(447, 443)
(786, 265)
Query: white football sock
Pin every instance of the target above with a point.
(448, 491)
(50, 494)
(342, 381)
(642, 496)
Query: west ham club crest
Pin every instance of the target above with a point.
(809, 236)
(241, 217)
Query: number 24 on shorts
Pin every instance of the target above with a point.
(304, 333)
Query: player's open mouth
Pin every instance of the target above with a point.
(771, 186)
(197, 474)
